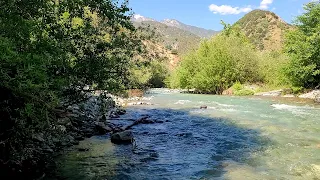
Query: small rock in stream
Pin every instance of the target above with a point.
(203, 107)
(83, 149)
(121, 111)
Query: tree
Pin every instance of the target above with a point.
(49, 51)
(302, 46)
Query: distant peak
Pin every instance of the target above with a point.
(171, 22)
(140, 18)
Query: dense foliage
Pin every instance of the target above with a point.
(217, 64)
(271, 68)
(302, 45)
(50, 51)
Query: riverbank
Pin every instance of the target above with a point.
(250, 90)
(73, 124)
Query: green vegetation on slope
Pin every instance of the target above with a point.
(264, 28)
(176, 40)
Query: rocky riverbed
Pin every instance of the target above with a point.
(73, 124)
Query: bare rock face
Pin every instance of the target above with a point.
(124, 137)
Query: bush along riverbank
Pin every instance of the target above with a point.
(239, 89)
(73, 124)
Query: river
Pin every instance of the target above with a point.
(235, 138)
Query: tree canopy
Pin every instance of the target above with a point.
(302, 45)
(51, 50)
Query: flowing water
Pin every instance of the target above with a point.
(235, 138)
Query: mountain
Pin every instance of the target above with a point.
(204, 33)
(139, 18)
(176, 36)
(264, 28)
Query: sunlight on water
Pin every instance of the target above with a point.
(235, 138)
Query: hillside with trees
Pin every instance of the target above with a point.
(290, 57)
(176, 40)
(265, 29)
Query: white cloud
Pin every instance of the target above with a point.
(226, 9)
(265, 4)
(137, 16)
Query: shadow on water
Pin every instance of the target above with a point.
(184, 146)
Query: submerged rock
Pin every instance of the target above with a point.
(124, 137)
(203, 107)
(83, 149)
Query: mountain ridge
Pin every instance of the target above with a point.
(201, 32)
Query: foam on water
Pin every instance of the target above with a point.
(296, 110)
(182, 102)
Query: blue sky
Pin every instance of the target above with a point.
(208, 13)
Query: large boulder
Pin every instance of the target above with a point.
(102, 128)
(124, 137)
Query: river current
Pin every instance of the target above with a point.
(234, 138)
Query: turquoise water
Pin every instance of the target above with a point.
(235, 138)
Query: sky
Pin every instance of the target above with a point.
(208, 13)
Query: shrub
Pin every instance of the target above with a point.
(237, 86)
(297, 90)
(244, 92)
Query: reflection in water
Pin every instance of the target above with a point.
(236, 138)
